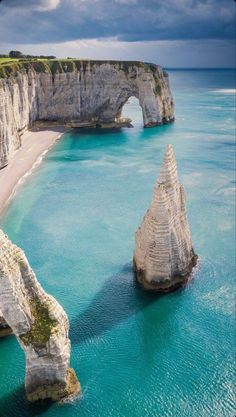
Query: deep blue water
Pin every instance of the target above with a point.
(136, 354)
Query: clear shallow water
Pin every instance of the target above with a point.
(136, 355)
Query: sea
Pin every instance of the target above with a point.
(136, 354)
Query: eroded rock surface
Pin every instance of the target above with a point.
(164, 255)
(40, 325)
(77, 91)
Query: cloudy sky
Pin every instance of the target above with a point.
(174, 33)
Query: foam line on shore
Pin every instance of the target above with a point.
(35, 145)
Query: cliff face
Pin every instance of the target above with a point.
(40, 325)
(164, 255)
(81, 91)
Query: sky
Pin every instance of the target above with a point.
(172, 33)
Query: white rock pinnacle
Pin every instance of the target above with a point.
(164, 255)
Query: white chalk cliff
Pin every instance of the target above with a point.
(78, 91)
(40, 325)
(164, 255)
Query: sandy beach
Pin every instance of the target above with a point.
(35, 144)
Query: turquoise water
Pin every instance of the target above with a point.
(136, 354)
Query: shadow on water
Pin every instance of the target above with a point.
(15, 404)
(79, 142)
(147, 134)
(109, 136)
(118, 299)
(97, 131)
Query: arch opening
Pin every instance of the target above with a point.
(132, 111)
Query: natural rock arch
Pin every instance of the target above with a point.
(78, 92)
(115, 82)
(40, 325)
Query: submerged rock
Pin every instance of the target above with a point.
(78, 93)
(164, 255)
(40, 325)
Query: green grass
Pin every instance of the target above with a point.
(10, 67)
(42, 327)
(7, 60)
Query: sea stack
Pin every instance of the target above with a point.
(164, 255)
(40, 325)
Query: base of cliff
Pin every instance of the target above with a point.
(113, 124)
(56, 392)
(95, 124)
(164, 286)
(77, 124)
(164, 121)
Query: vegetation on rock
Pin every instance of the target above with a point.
(11, 66)
(43, 325)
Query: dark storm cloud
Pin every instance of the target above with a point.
(40, 5)
(32, 21)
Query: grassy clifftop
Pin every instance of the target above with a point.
(10, 67)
